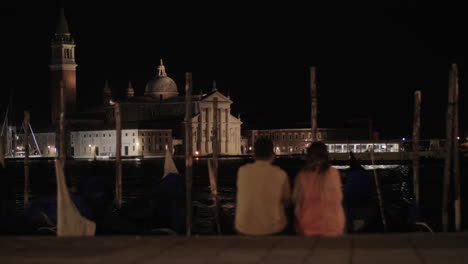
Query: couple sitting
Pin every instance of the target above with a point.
(263, 194)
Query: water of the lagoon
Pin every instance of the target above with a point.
(140, 176)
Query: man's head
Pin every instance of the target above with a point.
(264, 149)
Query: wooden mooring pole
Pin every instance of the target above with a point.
(416, 148)
(379, 193)
(455, 153)
(188, 152)
(26, 158)
(213, 165)
(2, 151)
(313, 111)
(118, 156)
(62, 148)
(449, 150)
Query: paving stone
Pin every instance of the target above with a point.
(357, 249)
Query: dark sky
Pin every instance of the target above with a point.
(370, 57)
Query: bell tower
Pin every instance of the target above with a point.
(62, 68)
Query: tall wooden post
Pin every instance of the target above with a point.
(26, 158)
(377, 187)
(215, 137)
(416, 149)
(370, 127)
(448, 150)
(62, 147)
(213, 166)
(212, 172)
(2, 151)
(456, 157)
(188, 151)
(118, 156)
(313, 94)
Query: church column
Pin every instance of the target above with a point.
(208, 132)
(200, 130)
(226, 111)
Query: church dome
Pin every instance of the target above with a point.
(162, 86)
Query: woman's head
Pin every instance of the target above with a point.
(317, 156)
(354, 163)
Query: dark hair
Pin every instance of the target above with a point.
(354, 164)
(263, 148)
(317, 157)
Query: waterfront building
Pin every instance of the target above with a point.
(296, 140)
(151, 122)
(162, 104)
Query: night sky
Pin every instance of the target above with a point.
(370, 57)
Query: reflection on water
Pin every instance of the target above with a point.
(140, 177)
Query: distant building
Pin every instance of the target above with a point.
(63, 69)
(162, 104)
(135, 142)
(150, 122)
(296, 140)
(99, 143)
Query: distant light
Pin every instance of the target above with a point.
(383, 146)
(17, 147)
(196, 152)
(48, 146)
(250, 148)
(458, 138)
(165, 146)
(89, 145)
(138, 144)
(55, 149)
(403, 139)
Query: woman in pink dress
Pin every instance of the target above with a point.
(318, 195)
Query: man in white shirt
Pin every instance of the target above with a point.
(263, 192)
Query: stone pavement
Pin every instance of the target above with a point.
(411, 248)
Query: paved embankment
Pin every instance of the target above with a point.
(389, 248)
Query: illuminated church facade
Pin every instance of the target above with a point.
(160, 111)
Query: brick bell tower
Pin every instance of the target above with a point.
(62, 67)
